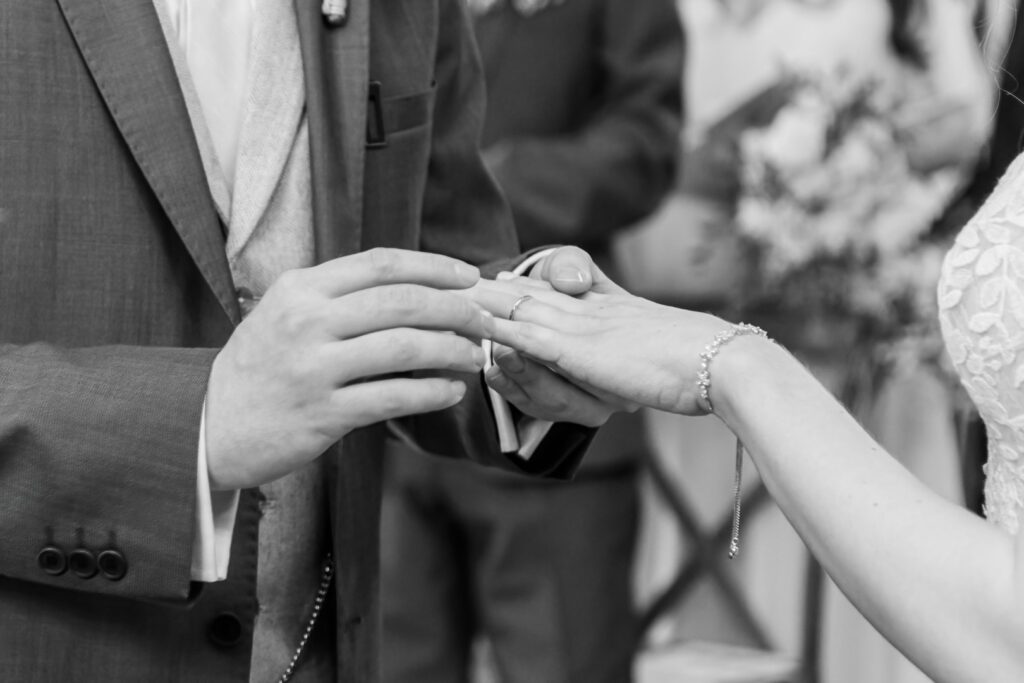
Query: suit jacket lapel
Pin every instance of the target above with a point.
(336, 67)
(123, 46)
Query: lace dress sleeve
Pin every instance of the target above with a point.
(981, 311)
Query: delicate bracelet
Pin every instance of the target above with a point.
(711, 350)
(704, 399)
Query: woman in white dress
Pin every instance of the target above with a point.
(944, 586)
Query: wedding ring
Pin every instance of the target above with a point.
(516, 304)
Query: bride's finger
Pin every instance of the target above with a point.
(502, 353)
(544, 343)
(537, 391)
(520, 286)
(531, 308)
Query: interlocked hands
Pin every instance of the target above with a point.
(324, 351)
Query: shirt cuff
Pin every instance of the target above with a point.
(521, 439)
(214, 522)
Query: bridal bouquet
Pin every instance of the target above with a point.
(837, 220)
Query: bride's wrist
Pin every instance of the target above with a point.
(745, 368)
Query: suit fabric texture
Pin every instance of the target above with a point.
(584, 108)
(116, 296)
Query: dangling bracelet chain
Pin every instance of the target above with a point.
(704, 394)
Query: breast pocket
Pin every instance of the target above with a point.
(398, 135)
(394, 115)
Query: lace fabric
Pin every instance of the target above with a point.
(981, 312)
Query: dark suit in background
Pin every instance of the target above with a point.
(115, 296)
(584, 108)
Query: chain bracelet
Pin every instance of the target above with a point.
(326, 575)
(734, 540)
(704, 400)
(711, 350)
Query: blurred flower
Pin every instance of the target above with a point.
(796, 140)
(838, 220)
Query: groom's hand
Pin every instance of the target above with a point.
(533, 388)
(313, 359)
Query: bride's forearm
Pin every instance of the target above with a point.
(933, 578)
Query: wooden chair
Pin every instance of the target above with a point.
(711, 662)
(716, 662)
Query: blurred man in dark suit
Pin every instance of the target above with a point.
(584, 109)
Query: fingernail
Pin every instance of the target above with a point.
(464, 271)
(494, 375)
(569, 276)
(458, 391)
(478, 356)
(511, 362)
(505, 275)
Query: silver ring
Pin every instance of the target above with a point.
(516, 304)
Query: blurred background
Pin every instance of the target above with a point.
(800, 164)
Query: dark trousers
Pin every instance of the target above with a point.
(542, 570)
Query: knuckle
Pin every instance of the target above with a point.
(343, 415)
(404, 300)
(469, 312)
(295, 321)
(457, 351)
(402, 349)
(311, 365)
(459, 312)
(391, 403)
(559, 405)
(384, 262)
(290, 280)
(533, 336)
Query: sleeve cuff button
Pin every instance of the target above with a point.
(82, 563)
(112, 565)
(51, 560)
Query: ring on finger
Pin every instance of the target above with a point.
(516, 304)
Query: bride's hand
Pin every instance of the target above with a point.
(607, 342)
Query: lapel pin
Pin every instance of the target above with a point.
(335, 12)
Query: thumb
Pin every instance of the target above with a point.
(570, 270)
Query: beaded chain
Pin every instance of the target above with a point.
(704, 399)
(326, 574)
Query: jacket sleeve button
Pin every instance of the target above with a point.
(82, 563)
(112, 565)
(51, 560)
